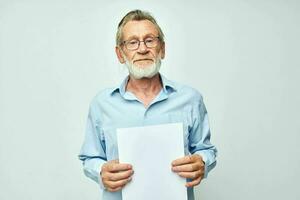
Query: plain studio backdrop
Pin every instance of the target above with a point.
(243, 56)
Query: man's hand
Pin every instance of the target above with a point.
(115, 175)
(191, 167)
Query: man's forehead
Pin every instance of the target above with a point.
(139, 29)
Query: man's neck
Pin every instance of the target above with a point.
(146, 87)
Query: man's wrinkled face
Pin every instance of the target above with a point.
(143, 61)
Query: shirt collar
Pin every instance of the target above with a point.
(168, 86)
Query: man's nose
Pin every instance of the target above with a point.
(142, 48)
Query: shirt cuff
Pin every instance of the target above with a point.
(92, 169)
(205, 160)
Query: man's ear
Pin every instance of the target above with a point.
(163, 50)
(119, 54)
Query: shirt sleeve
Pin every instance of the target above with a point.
(199, 139)
(92, 153)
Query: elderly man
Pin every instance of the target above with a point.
(145, 97)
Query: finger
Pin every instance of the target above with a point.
(116, 184)
(115, 176)
(183, 160)
(191, 175)
(115, 167)
(187, 168)
(114, 190)
(114, 161)
(119, 175)
(194, 182)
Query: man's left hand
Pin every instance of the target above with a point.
(191, 166)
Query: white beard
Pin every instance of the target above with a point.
(143, 72)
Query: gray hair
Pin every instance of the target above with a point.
(137, 15)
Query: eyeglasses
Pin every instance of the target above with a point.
(134, 44)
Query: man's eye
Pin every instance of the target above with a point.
(149, 40)
(133, 42)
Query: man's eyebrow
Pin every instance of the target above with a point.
(132, 37)
(150, 34)
(137, 38)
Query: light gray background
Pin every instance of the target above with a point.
(242, 55)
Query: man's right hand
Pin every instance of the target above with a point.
(115, 175)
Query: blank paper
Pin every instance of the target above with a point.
(151, 150)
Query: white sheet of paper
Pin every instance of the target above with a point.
(151, 150)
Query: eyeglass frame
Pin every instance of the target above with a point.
(139, 43)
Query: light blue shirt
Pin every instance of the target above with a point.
(117, 108)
